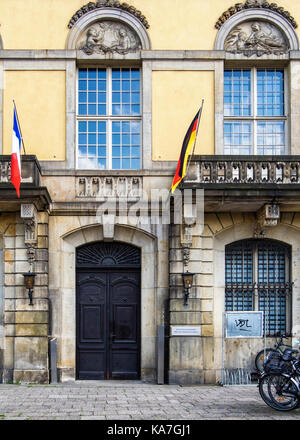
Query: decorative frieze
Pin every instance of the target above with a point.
(261, 4)
(109, 187)
(108, 4)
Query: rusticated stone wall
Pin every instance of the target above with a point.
(25, 327)
(200, 359)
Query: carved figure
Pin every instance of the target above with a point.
(94, 38)
(108, 37)
(255, 38)
(260, 40)
(123, 44)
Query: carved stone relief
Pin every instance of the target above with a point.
(262, 4)
(107, 36)
(29, 214)
(256, 38)
(106, 187)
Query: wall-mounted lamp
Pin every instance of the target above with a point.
(29, 283)
(187, 278)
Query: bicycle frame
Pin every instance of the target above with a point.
(295, 382)
(280, 344)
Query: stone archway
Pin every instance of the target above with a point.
(66, 315)
(108, 311)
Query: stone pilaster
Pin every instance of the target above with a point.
(26, 326)
(190, 355)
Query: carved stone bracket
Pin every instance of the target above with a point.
(266, 217)
(28, 214)
(108, 4)
(262, 4)
(186, 238)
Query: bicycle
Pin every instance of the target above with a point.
(279, 385)
(264, 354)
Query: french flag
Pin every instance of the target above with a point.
(16, 155)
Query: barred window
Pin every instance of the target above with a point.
(109, 118)
(257, 275)
(254, 112)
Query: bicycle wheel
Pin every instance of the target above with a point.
(263, 387)
(261, 357)
(283, 392)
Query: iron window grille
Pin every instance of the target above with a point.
(257, 277)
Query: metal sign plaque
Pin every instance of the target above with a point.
(184, 330)
(244, 324)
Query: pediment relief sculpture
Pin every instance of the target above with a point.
(256, 38)
(107, 36)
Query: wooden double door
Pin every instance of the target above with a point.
(108, 323)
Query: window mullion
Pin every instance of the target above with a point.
(109, 123)
(254, 110)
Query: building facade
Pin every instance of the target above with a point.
(105, 92)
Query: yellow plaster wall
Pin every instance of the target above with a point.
(174, 24)
(176, 97)
(40, 101)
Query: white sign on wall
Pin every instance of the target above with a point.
(184, 330)
(244, 324)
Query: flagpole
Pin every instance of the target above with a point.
(19, 126)
(197, 128)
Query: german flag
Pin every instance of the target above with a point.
(188, 142)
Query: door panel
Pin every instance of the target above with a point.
(125, 306)
(108, 324)
(91, 326)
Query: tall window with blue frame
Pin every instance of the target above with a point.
(257, 277)
(255, 112)
(109, 118)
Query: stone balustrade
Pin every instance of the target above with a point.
(244, 170)
(31, 171)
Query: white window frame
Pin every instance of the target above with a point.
(109, 118)
(254, 118)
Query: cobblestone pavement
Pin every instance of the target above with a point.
(89, 400)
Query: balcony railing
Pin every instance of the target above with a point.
(31, 171)
(228, 170)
